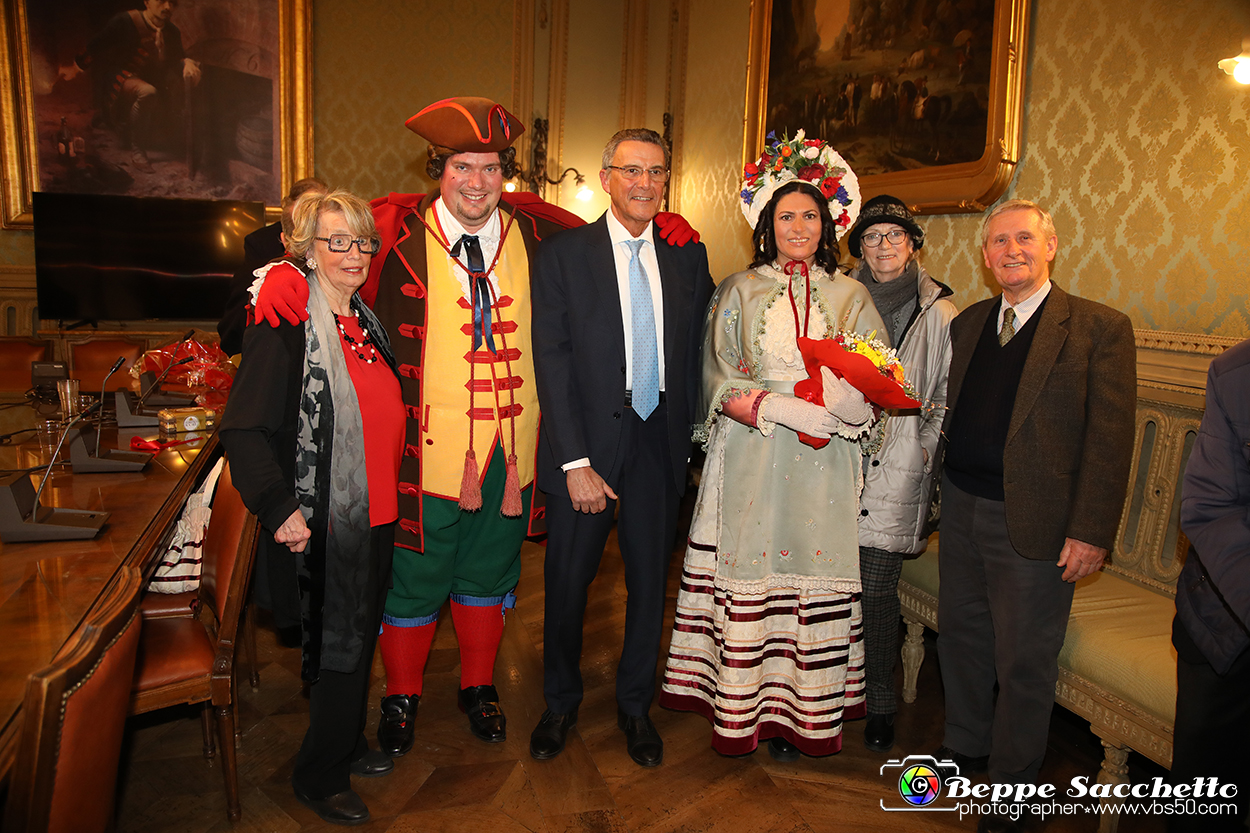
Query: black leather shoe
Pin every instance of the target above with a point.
(396, 731)
(879, 732)
(968, 764)
(372, 764)
(345, 808)
(783, 751)
(486, 719)
(641, 739)
(547, 739)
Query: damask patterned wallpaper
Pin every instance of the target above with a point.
(1134, 140)
(376, 64)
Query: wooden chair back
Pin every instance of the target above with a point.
(90, 360)
(73, 721)
(16, 354)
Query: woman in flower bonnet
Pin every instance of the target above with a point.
(767, 639)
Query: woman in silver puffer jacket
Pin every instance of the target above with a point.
(898, 475)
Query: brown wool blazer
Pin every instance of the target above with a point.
(1069, 445)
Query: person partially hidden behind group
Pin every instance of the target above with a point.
(767, 640)
(314, 432)
(899, 470)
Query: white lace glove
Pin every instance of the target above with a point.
(798, 415)
(843, 400)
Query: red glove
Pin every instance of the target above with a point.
(284, 294)
(675, 229)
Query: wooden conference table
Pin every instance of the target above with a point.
(46, 588)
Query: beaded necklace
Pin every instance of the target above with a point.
(358, 346)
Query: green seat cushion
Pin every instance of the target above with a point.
(1120, 639)
(922, 572)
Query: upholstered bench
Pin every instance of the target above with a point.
(1117, 668)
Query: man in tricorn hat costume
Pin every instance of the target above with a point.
(451, 285)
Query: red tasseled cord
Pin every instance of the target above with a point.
(470, 484)
(511, 507)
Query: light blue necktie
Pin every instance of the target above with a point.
(646, 391)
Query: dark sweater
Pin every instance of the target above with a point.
(978, 430)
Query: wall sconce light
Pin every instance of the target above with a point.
(1239, 67)
(536, 178)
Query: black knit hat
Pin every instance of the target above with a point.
(884, 209)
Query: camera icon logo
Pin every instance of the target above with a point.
(920, 785)
(920, 782)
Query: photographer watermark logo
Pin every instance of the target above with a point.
(920, 785)
(921, 780)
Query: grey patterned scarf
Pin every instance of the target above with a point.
(895, 300)
(330, 472)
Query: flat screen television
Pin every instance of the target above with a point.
(111, 258)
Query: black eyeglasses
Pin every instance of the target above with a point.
(872, 239)
(343, 243)
(632, 172)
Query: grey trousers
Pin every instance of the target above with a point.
(879, 572)
(1001, 617)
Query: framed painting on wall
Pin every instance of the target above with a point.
(192, 99)
(923, 97)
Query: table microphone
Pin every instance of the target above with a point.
(48, 471)
(103, 387)
(156, 383)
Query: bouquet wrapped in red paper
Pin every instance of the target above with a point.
(866, 363)
(208, 375)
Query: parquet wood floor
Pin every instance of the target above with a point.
(452, 782)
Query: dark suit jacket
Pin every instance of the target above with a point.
(1070, 441)
(579, 351)
(259, 247)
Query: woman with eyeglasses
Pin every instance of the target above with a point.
(899, 472)
(314, 431)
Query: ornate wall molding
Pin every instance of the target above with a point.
(523, 71)
(675, 93)
(557, 87)
(634, 64)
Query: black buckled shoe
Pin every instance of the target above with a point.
(396, 731)
(547, 739)
(372, 764)
(783, 751)
(345, 808)
(486, 719)
(879, 732)
(968, 764)
(641, 738)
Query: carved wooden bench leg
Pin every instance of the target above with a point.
(913, 656)
(1114, 770)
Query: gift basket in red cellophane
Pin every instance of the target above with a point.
(866, 363)
(201, 368)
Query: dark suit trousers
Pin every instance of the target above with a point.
(1211, 735)
(645, 530)
(1001, 617)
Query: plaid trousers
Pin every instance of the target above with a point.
(879, 572)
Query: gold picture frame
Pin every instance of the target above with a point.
(20, 160)
(963, 187)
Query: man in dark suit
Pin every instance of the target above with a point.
(617, 316)
(1037, 452)
(259, 247)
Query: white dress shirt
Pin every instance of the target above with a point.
(621, 254)
(487, 238)
(1024, 309)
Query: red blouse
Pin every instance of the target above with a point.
(382, 417)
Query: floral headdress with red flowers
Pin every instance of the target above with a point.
(810, 160)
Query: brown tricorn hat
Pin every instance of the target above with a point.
(467, 124)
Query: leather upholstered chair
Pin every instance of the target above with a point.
(16, 354)
(89, 362)
(73, 720)
(190, 658)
